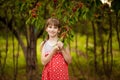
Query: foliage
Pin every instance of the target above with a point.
(75, 17)
(35, 16)
(115, 5)
(68, 12)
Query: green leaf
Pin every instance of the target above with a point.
(33, 20)
(28, 20)
(22, 7)
(65, 19)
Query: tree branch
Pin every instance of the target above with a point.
(14, 31)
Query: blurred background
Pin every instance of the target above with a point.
(91, 28)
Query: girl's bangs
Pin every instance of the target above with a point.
(54, 22)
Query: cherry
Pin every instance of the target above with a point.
(74, 9)
(55, 1)
(38, 4)
(34, 15)
(80, 5)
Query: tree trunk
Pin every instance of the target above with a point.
(88, 70)
(117, 29)
(95, 54)
(111, 54)
(100, 32)
(29, 50)
(6, 54)
(31, 57)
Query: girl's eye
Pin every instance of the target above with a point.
(55, 27)
(50, 27)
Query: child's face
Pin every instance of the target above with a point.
(52, 30)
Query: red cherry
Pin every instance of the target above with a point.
(34, 15)
(80, 5)
(55, 1)
(74, 9)
(34, 10)
(38, 4)
(66, 28)
(63, 35)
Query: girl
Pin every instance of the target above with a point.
(54, 57)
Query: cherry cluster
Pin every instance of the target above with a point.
(35, 9)
(64, 32)
(78, 6)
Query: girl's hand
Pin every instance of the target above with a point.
(55, 48)
(60, 44)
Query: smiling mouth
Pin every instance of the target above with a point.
(52, 32)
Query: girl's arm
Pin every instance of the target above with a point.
(46, 59)
(66, 55)
(65, 52)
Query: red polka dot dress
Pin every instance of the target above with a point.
(57, 68)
